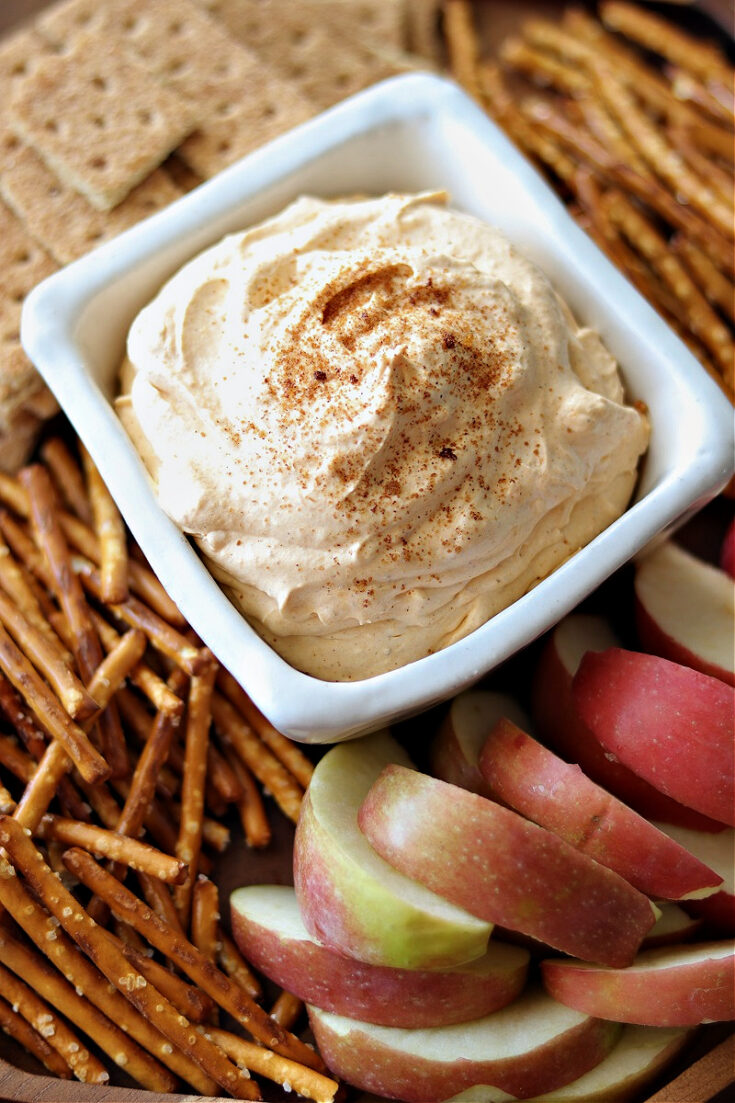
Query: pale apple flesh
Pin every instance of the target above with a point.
(559, 725)
(456, 746)
(672, 986)
(673, 927)
(670, 724)
(532, 780)
(269, 930)
(685, 610)
(641, 1053)
(503, 868)
(533, 1045)
(350, 898)
(718, 852)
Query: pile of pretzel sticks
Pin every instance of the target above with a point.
(635, 128)
(122, 744)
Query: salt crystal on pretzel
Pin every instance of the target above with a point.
(16, 1027)
(290, 1074)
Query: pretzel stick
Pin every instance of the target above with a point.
(80, 1011)
(146, 680)
(112, 962)
(59, 1036)
(717, 288)
(159, 898)
(659, 154)
(186, 957)
(11, 707)
(189, 841)
(22, 1032)
(110, 531)
(52, 716)
(250, 807)
(120, 848)
(662, 37)
(15, 585)
(701, 319)
(463, 49)
(233, 963)
(67, 478)
(140, 578)
(287, 1009)
(7, 803)
(166, 639)
(191, 1001)
(603, 126)
(24, 549)
(504, 110)
(284, 749)
(236, 733)
(69, 594)
(720, 179)
(47, 660)
(14, 759)
(686, 87)
(543, 68)
(86, 980)
(281, 1070)
(41, 789)
(205, 918)
(650, 191)
(13, 494)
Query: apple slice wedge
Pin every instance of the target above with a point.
(352, 900)
(533, 781)
(268, 928)
(559, 725)
(503, 868)
(685, 611)
(670, 724)
(718, 852)
(456, 746)
(533, 1045)
(671, 986)
(673, 927)
(640, 1055)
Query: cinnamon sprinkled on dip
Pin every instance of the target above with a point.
(380, 424)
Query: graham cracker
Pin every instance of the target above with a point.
(317, 45)
(260, 114)
(98, 118)
(20, 54)
(23, 264)
(424, 36)
(61, 219)
(375, 21)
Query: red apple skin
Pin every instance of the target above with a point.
(653, 638)
(372, 1060)
(679, 986)
(671, 724)
(727, 550)
(502, 868)
(457, 744)
(559, 725)
(718, 851)
(374, 993)
(535, 782)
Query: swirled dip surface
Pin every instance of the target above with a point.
(379, 423)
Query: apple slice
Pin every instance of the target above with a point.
(672, 986)
(457, 744)
(640, 1055)
(727, 550)
(685, 610)
(270, 932)
(672, 927)
(352, 900)
(558, 723)
(503, 868)
(718, 852)
(532, 780)
(533, 1045)
(672, 725)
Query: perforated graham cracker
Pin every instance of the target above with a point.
(256, 21)
(61, 219)
(23, 264)
(272, 108)
(98, 118)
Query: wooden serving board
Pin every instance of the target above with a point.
(705, 1071)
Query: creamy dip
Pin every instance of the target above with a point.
(379, 423)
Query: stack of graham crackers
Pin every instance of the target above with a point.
(110, 111)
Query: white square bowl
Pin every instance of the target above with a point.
(408, 134)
